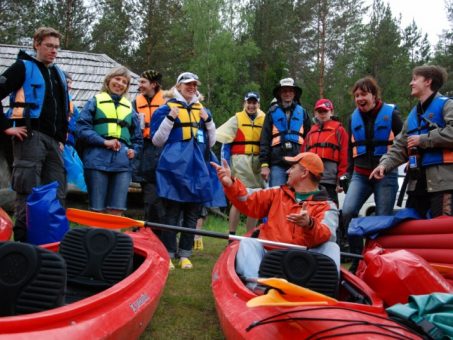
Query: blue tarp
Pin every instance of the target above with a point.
(370, 226)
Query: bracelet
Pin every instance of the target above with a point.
(171, 118)
(208, 120)
(264, 165)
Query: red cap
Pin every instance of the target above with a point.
(310, 161)
(324, 104)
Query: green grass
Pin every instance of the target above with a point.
(186, 309)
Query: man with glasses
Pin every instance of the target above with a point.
(37, 120)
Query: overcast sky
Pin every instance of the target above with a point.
(429, 15)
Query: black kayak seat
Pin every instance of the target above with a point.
(32, 279)
(308, 269)
(96, 258)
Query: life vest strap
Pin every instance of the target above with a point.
(121, 123)
(245, 143)
(252, 125)
(111, 101)
(372, 143)
(324, 145)
(188, 124)
(284, 133)
(24, 105)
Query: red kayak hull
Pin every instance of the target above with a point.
(356, 319)
(120, 312)
(431, 239)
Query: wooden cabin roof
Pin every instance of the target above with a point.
(87, 69)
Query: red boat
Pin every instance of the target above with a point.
(357, 312)
(122, 311)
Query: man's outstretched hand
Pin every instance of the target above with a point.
(223, 172)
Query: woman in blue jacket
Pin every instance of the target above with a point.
(186, 131)
(109, 132)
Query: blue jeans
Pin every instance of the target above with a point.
(251, 253)
(190, 212)
(107, 190)
(278, 176)
(360, 189)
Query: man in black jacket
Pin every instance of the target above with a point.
(283, 133)
(36, 121)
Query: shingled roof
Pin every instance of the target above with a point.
(87, 69)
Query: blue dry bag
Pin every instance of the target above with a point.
(74, 168)
(46, 218)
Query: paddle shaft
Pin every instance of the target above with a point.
(208, 233)
(101, 220)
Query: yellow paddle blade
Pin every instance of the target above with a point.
(293, 295)
(274, 298)
(100, 220)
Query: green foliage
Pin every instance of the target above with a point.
(112, 32)
(186, 309)
(236, 46)
(17, 21)
(444, 51)
(71, 18)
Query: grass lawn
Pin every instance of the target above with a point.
(186, 309)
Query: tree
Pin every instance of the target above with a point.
(18, 21)
(153, 23)
(329, 45)
(71, 18)
(444, 51)
(112, 32)
(416, 45)
(384, 57)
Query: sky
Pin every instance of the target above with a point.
(429, 15)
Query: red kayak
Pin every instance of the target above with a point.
(121, 311)
(358, 311)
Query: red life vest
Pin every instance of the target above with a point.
(148, 108)
(324, 140)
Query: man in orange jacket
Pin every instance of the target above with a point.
(299, 212)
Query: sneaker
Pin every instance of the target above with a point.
(198, 244)
(185, 263)
(171, 266)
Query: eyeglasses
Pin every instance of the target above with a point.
(51, 46)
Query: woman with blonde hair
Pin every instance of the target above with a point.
(186, 131)
(109, 131)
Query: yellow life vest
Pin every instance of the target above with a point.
(110, 121)
(188, 120)
(247, 140)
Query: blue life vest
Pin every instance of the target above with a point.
(382, 134)
(29, 99)
(431, 119)
(284, 131)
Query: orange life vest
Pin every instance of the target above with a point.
(147, 108)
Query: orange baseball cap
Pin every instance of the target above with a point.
(310, 161)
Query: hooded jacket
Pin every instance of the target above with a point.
(277, 203)
(53, 118)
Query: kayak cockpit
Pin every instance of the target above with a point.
(86, 262)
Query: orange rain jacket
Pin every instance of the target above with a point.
(278, 202)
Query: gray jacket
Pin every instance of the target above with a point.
(438, 177)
